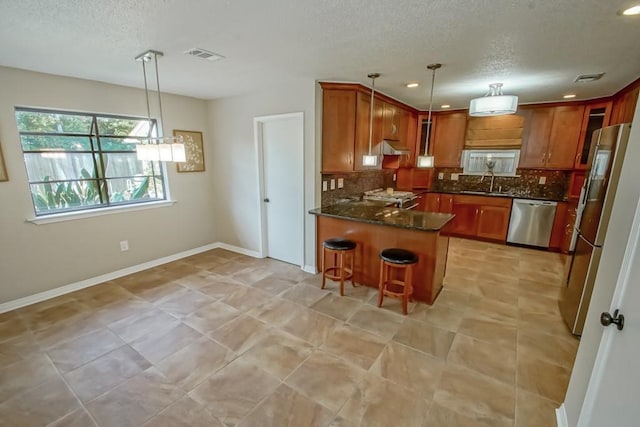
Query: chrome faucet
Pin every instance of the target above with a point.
(493, 176)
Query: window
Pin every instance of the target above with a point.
(479, 162)
(81, 161)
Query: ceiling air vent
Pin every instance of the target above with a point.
(585, 78)
(204, 54)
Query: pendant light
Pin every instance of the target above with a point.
(493, 103)
(427, 161)
(370, 159)
(164, 149)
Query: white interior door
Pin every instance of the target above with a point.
(280, 144)
(612, 396)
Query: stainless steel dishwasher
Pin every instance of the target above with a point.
(531, 222)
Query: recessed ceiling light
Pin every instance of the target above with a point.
(412, 84)
(569, 96)
(445, 106)
(633, 10)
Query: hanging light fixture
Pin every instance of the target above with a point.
(425, 160)
(494, 103)
(370, 159)
(164, 149)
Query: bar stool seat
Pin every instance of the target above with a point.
(404, 260)
(343, 251)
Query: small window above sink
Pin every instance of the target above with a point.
(480, 162)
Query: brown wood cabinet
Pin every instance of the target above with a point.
(551, 137)
(439, 202)
(563, 224)
(479, 216)
(624, 105)
(596, 116)
(448, 138)
(338, 130)
(346, 114)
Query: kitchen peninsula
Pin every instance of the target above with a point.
(374, 226)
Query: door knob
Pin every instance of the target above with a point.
(266, 200)
(617, 319)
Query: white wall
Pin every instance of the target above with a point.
(235, 178)
(627, 196)
(36, 258)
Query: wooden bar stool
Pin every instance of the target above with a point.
(394, 258)
(343, 250)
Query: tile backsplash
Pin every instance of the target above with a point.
(355, 184)
(526, 183)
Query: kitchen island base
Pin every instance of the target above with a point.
(430, 246)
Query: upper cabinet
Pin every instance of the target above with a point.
(551, 137)
(595, 116)
(448, 138)
(346, 113)
(624, 105)
(345, 129)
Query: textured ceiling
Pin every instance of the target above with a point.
(535, 47)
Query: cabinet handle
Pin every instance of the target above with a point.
(577, 157)
(543, 156)
(549, 157)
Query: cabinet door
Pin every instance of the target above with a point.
(493, 222)
(537, 129)
(338, 130)
(564, 138)
(448, 138)
(464, 223)
(406, 135)
(446, 203)
(559, 227)
(595, 116)
(624, 107)
(432, 203)
(363, 112)
(390, 124)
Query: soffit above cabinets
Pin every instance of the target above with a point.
(494, 132)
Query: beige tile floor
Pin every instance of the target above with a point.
(221, 339)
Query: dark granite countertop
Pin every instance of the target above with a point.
(511, 195)
(377, 213)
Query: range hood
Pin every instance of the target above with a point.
(391, 147)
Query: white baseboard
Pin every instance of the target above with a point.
(237, 249)
(62, 290)
(561, 417)
(310, 269)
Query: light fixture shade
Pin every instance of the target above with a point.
(369, 160)
(165, 152)
(178, 152)
(425, 161)
(148, 152)
(493, 105)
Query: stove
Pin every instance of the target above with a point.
(401, 199)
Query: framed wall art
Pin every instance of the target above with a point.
(194, 151)
(3, 168)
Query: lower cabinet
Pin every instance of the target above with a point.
(479, 216)
(476, 216)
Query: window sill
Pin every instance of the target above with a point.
(70, 216)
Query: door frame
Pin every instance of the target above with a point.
(258, 125)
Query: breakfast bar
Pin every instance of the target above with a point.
(374, 226)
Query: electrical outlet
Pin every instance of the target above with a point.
(332, 184)
(441, 175)
(454, 176)
(324, 185)
(340, 182)
(542, 180)
(124, 245)
(394, 177)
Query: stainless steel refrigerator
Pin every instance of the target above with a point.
(606, 155)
